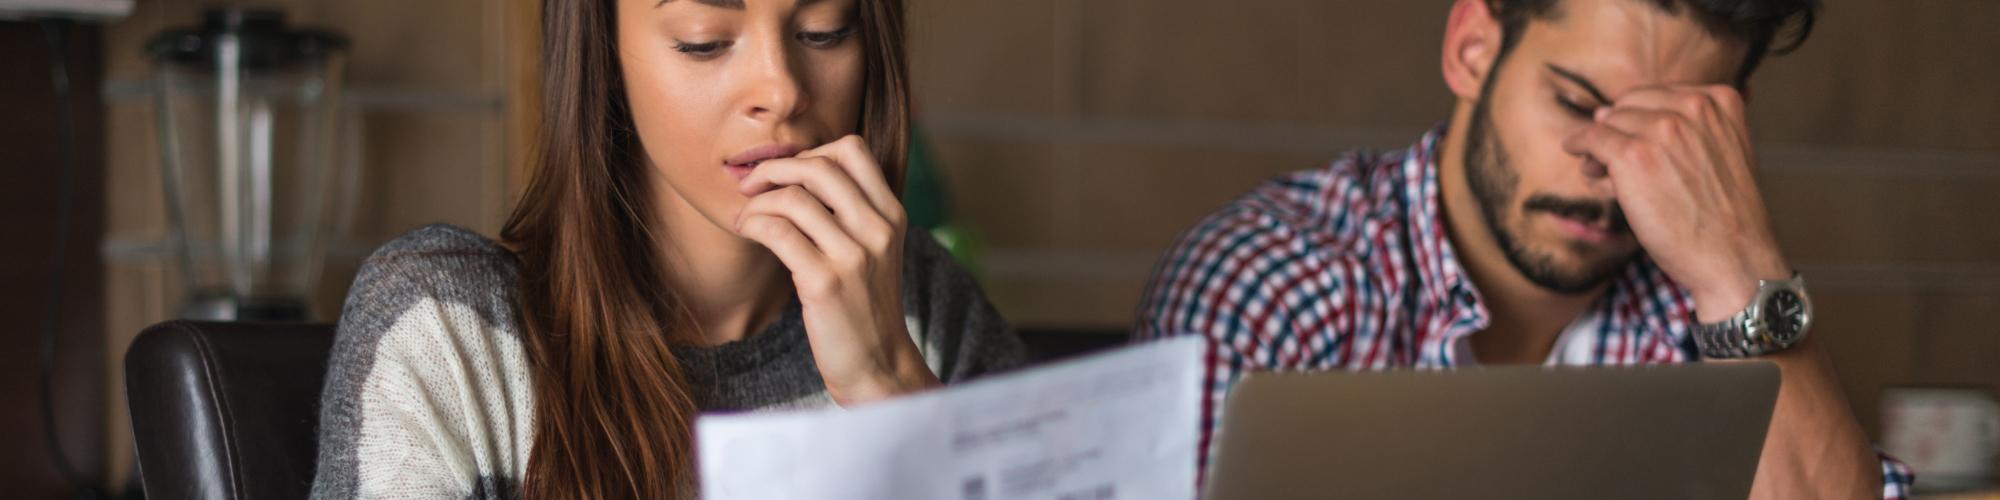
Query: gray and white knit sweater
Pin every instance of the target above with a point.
(428, 391)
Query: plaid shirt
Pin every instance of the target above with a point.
(1347, 267)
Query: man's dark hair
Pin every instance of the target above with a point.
(1763, 26)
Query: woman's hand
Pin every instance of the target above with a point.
(831, 219)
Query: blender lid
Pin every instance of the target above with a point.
(265, 41)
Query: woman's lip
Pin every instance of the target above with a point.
(749, 158)
(739, 171)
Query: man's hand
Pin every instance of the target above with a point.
(1680, 161)
(1681, 165)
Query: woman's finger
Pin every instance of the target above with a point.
(834, 187)
(810, 216)
(853, 155)
(785, 240)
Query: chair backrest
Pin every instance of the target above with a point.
(227, 410)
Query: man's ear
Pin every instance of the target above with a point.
(1472, 41)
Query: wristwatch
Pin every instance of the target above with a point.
(1776, 319)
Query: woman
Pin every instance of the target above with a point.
(712, 225)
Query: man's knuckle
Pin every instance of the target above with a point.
(1635, 153)
(1689, 101)
(1724, 93)
(1662, 128)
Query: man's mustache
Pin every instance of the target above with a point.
(1595, 211)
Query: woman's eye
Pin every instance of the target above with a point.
(700, 50)
(825, 39)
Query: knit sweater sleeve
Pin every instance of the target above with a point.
(960, 334)
(427, 392)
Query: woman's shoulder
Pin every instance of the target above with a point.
(439, 241)
(427, 372)
(441, 262)
(435, 280)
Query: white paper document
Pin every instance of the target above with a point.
(1119, 425)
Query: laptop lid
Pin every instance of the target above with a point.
(1670, 431)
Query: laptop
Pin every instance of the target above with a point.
(1679, 431)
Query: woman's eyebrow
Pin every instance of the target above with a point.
(732, 4)
(726, 4)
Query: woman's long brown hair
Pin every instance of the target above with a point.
(613, 411)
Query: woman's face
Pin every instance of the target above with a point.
(717, 86)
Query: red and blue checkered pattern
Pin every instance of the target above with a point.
(1347, 267)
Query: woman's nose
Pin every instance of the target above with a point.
(777, 92)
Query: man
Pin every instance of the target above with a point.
(1591, 202)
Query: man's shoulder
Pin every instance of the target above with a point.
(1252, 264)
(1322, 210)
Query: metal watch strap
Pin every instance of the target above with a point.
(1727, 339)
(1734, 337)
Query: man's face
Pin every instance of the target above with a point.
(1554, 213)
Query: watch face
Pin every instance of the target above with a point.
(1784, 316)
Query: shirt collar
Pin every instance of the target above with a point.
(1444, 280)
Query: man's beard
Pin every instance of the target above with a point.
(1494, 182)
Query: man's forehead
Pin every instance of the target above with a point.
(1625, 44)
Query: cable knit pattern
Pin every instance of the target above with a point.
(428, 392)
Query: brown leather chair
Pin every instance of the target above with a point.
(227, 410)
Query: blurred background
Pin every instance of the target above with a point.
(1070, 141)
